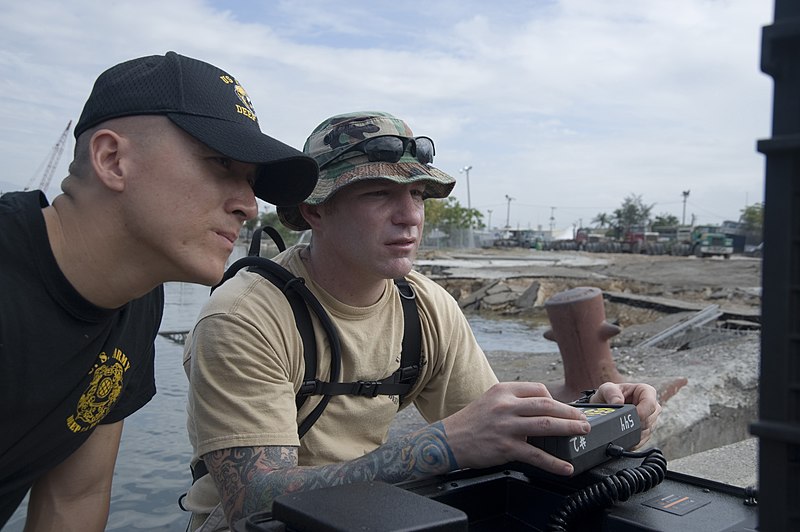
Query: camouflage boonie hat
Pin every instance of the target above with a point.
(335, 136)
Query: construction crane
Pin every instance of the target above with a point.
(52, 161)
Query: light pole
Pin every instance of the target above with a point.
(685, 195)
(466, 170)
(508, 211)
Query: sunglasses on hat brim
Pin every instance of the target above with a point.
(390, 149)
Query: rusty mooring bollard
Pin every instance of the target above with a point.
(578, 325)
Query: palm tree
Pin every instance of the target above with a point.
(602, 220)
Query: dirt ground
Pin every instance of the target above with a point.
(708, 390)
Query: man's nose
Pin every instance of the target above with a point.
(409, 209)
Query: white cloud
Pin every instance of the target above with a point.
(573, 104)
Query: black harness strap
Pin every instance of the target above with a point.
(198, 471)
(412, 336)
(401, 381)
(301, 300)
(299, 307)
(398, 383)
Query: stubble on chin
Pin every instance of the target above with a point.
(402, 266)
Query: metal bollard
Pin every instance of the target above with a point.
(579, 327)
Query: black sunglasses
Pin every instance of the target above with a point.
(390, 149)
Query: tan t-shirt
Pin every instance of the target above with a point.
(245, 363)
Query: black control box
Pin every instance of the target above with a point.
(617, 424)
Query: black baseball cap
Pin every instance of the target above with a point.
(210, 105)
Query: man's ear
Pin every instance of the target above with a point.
(105, 148)
(311, 213)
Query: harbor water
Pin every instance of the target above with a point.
(153, 464)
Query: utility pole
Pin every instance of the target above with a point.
(685, 195)
(508, 211)
(552, 220)
(490, 218)
(466, 170)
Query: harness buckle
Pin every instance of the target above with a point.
(308, 387)
(406, 374)
(366, 388)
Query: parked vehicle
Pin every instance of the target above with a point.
(702, 241)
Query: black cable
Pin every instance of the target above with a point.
(617, 487)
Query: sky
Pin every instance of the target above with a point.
(562, 108)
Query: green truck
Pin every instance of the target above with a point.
(702, 241)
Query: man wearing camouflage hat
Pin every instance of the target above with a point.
(245, 361)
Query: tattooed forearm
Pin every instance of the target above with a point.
(235, 469)
(249, 478)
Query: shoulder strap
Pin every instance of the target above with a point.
(412, 336)
(301, 300)
(283, 279)
(255, 243)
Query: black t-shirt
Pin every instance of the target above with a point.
(66, 365)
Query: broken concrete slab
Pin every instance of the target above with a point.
(528, 298)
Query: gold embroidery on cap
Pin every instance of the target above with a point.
(246, 109)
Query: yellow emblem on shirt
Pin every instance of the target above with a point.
(102, 393)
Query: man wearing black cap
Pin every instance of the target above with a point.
(169, 157)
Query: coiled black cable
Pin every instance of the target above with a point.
(617, 487)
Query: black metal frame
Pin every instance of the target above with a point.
(778, 426)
